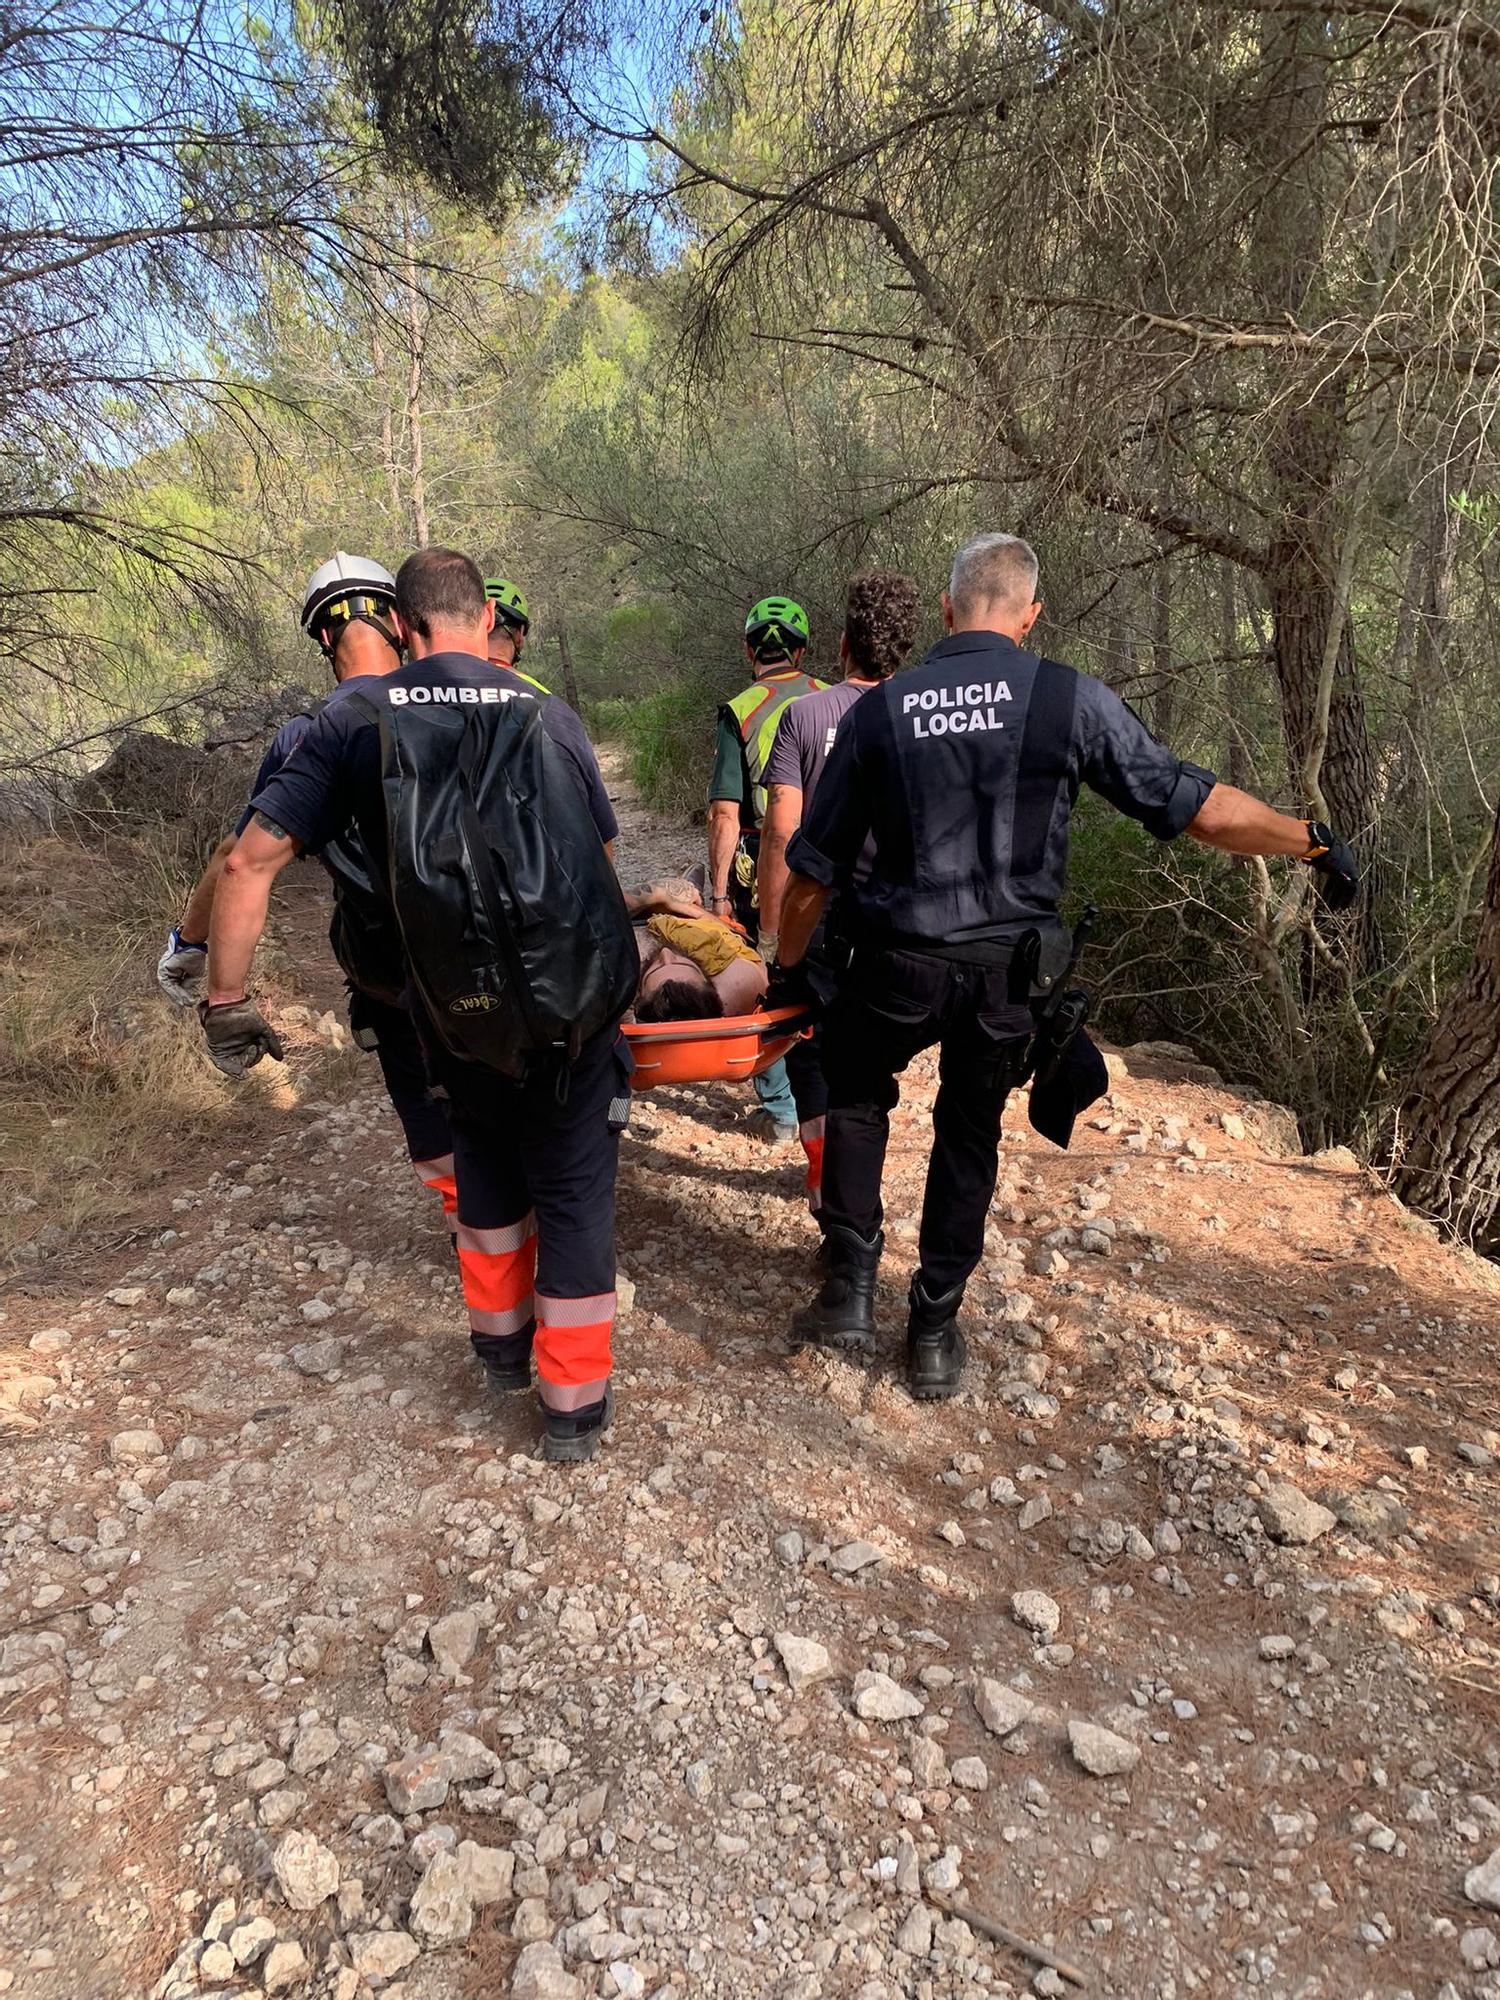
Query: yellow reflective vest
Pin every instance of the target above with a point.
(755, 713)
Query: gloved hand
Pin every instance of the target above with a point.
(1333, 859)
(181, 970)
(238, 1035)
(766, 944)
(789, 986)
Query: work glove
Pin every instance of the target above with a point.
(238, 1035)
(789, 986)
(766, 944)
(181, 970)
(1334, 862)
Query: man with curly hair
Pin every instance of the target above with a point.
(880, 627)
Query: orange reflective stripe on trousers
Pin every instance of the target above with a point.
(810, 1132)
(438, 1175)
(498, 1267)
(573, 1349)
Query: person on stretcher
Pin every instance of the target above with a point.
(694, 966)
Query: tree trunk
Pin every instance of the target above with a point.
(1449, 1166)
(1232, 678)
(387, 429)
(570, 685)
(416, 352)
(1164, 692)
(1302, 583)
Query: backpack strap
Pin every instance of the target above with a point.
(363, 703)
(1046, 762)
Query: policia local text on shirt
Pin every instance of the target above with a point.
(962, 773)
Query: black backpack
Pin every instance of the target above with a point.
(514, 926)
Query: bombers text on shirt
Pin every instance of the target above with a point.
(400, 696)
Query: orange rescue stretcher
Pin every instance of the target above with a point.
(726, 1050)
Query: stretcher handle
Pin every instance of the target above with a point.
(790, 1021)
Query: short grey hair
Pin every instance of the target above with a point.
(992, 569)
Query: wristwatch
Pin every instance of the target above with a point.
(1320, 838)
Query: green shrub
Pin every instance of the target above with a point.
(668, 741)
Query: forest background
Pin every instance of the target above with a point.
(657, 314)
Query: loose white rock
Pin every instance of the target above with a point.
(1099, 1751)
(1482, 1884)
(488, 1871)
(315, 1746)
(541, 1975)
(1037, 1611)
(442, 1906)
(453, 1641)
(307, 1871)
(805, 1660)
(126, 1447)
(877, 1698)
(286, 1967)
(417, 1784)
(381, 1955)
(250, 1941)
(1289, 1516)
(1000, 1708)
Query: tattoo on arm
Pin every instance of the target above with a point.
(268, 825)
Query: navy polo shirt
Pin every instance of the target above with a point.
(963, 772)
(332, 778)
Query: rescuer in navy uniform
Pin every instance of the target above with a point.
(962, 773)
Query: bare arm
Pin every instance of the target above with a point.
(1238, 823)
(783, 817)
(654, 901)
(239, 911)
(805, 902)
(723, 838)
(195, 918)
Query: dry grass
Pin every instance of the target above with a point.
(103, 1087)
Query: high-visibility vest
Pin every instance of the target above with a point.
(755, 712)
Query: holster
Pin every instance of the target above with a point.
(1041, 958)
(1056, 1029)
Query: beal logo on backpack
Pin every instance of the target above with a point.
(515, 930)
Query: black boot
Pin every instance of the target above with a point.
(571, 1437)
(935, 1351)
(843, 1314)
(507, 1362)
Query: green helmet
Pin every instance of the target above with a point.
(776, 625)
(509, 604)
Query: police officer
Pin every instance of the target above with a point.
(963, 772)
(347, 612)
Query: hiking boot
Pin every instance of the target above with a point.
(769, 1130)
(571, 1436)
(506, 1378)
(507, 1363)
(843, 1314)
(935, 1351)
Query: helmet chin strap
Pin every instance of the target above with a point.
(362, 618)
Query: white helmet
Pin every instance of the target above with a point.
(347, 577)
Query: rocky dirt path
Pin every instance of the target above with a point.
(1170, 1645)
